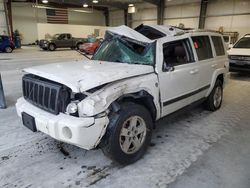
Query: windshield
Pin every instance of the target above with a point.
(120, 49)
(56, 36)
(243, 43)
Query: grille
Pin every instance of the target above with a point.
(240, 58)
(45, 94)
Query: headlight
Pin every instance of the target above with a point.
(72, 108)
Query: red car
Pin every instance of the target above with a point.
(89, 47)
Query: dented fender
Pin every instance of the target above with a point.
(99, 101)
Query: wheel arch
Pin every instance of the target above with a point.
(142, 98)
(218, 75)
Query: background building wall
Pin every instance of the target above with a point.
(232, 15)
(81, 31)
(116, 17)
(3, 24)
(26, 18)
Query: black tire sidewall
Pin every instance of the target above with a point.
(128, 110)
(49, 47)
(210, 101)
(8, 47)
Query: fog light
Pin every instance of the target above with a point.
(67, 132)
(71, 108)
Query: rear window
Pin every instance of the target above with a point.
(243, 43)
(203, 47)
(218, 45)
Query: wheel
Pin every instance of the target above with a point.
(78, 46)
(52, 47)
(128, 133)
(214, 99)
(8, 49)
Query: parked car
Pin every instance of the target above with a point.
(134, 78)
(6, 45)
(239, 55)
(64, 40)
(90, 47)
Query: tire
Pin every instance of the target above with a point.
(121, 148)
(44, 49)
(214, 99)
(8, 49)
(78, 46)
(52, 47)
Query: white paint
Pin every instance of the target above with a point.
(131, 33)
(79, 75)
(122, 78)
(86, 132)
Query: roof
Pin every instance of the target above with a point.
(150, 33)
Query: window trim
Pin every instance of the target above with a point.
(212, 47)
(188, 48)
(223, 46)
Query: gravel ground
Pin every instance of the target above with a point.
(36, 160)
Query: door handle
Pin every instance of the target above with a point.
(214, 65)
(194, 71)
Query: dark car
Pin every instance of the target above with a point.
(6, 45)
(63, 40)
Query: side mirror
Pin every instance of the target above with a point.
(230, 46)
(168, 67)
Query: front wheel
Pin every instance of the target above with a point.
(8, 49)
(214, 99)
(128, 134)
(52, 47)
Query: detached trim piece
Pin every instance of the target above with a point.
(185, 96)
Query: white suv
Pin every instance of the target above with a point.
(135, 78)
(239, 55)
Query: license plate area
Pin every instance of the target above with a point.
(29, 121)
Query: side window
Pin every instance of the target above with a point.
(177, 53)
(218, 45)
(203, 47)
(68, 36)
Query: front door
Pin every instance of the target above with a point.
(179, 77)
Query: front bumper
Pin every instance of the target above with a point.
(82, 132)
(44, 45)
(239, 66)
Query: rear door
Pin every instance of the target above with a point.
(208, 61)
(205, 61)
(179, 76)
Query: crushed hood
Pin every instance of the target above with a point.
(82, 76)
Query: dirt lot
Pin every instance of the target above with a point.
(177, 148)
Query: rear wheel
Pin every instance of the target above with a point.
(8, 49)
(214, 100)
(52, 47)
(128, 134)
